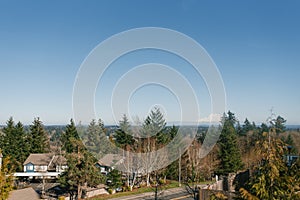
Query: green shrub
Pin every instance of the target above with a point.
(110, 191)
(162, 181)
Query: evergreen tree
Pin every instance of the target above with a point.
(82, 170)
(154, 132)
(155, 125)
(253, 126)
(172, 170)
(116, 178)
(7, 139)
(124, 139)
(173, 132)
(290, 140)
(264, 128)
(247, 126)
(39, 141)
(123, 134)
(105, 142)
(239, 129)
(155, 120)
(103, 131)
(14, 145)
(22, 150)
(280, 124)
(229, 154)
(230, 118)
(95, 139)
(69, 136)
(92, 138)
(291, 145)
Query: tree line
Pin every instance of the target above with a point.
(17, 143)
(247, 146)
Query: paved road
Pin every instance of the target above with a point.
(171, 194)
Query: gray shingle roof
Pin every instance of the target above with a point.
(24, 194)
(110, 160)
(39, 159)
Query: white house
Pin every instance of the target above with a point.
(45, 162)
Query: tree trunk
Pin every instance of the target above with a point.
(128, 165)
(148, 179)
(133, 182)
(79, 192)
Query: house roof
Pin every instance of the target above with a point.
(110, 160)
(39, 159)
(24, 194)
(45, 159)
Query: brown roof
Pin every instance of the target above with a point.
(24, 194)
(110, 160)
(39, 159)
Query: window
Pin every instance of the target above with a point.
(29, 167)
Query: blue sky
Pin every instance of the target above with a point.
(255, 45)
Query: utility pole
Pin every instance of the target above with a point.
(179, 169)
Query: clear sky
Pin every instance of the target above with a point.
(255, 45)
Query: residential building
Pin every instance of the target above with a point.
(45, 162)
(107, 163)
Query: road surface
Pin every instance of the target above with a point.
(171, 194)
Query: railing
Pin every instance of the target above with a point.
(35, 174)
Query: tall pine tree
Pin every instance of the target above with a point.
(280, 124)
(82, 170)
(14, 145)
(22, 147)
(92, 137)
(69, 138)
(123, 134)
(39, 140)
(95, 139)
(155, 125)
(7, 139)
(247, 127)
(229, 154)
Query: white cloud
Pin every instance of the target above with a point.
(212, 118)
